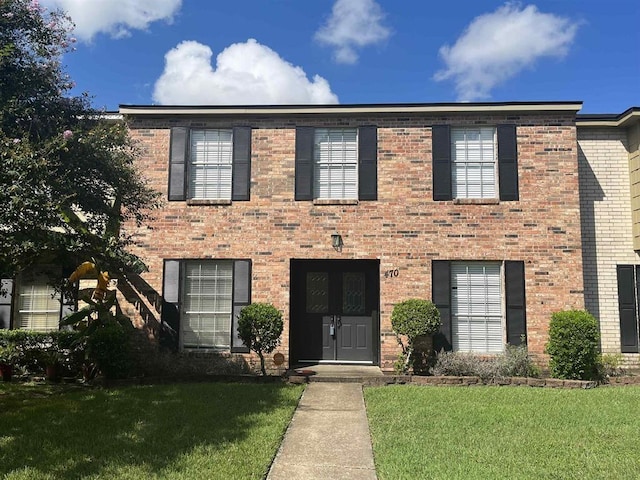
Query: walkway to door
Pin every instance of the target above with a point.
(328, 437)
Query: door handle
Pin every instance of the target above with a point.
(332, 326)
(339, 321)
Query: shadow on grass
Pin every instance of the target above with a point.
(173, 431)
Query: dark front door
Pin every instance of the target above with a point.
(334, 310)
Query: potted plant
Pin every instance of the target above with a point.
(8, 356)
(52, 359)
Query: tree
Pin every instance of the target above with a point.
(259, 327)
(67, 174)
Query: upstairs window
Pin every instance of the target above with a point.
(211, 155)
(335, 163)
(473, 151)
(210, 165)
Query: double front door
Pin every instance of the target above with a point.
(334, 317)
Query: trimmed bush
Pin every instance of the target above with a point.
(513, 362)
(108, 348)
(414, 319)
(259, 327)
(574, 340)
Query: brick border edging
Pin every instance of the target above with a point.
(474, 381)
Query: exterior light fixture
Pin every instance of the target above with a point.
(336, 241)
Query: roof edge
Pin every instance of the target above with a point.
(390, 108)
(609, 119)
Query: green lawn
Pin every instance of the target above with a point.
(504, 432)
(190, 431)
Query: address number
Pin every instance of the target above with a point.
(391, 273)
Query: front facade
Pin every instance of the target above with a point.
(336, 213)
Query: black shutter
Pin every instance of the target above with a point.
(178, 163)
(241, 175)
(515, 302)
(508, 162)
(170, 328)
(304, 163)
(6, 291)
(627, 304)
(441, 296)
(368, 163)
(241, 298)
(441, 161)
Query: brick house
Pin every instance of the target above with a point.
(609, 167)
(335, 213)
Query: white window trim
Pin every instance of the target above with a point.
(184, 313)
(221, 192)
(496, 188)
(503, 322)
(344, 196)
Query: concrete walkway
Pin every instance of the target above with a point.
(328, 437)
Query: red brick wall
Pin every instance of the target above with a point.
(405, 229)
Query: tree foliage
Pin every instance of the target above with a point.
(67, 174)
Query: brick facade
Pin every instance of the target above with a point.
(404, 229)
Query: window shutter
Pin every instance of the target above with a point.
(441, 161)
(170, 330)
(241, 163)
(441, 295)
(241, 298)
(178, 163)
(515, 301)
(508, 162)
(6, 292)
(368, 163)
(627, 304)
(304, 163)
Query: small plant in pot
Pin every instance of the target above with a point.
(9, 354)
(52, 359)
(415, 321)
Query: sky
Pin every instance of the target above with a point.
(252, 52)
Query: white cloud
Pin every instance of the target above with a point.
(114, 17)
(497, 46)
(245, 74)
(353, 24)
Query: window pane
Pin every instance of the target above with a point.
(474, 162)
(476, 304)
(207, 298)
(211, 164)
(336, 163)
(38, 304)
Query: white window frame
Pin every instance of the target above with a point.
(335, 164)
(210, 164)
(35, 297)
(474, 159)
(472, 319)
(200, 323)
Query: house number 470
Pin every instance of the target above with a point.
(391, 273)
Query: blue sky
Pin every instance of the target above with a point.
(355, 51)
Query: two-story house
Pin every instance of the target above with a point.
(335, 213)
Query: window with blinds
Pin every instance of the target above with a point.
(211, 164)
(476, 307)
(473, 152)
(336, 163)
(38, 305)
(208, 288)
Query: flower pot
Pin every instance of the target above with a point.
(51, 372)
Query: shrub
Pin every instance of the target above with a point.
(513, 362)
(108, 348)
(259, 327)
(414, 318)
(573, 345)
(610, 365)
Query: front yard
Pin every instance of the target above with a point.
(504, 432)
(185, 431)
